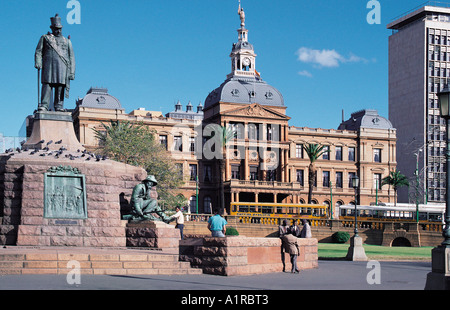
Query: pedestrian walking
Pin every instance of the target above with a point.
(217, 225)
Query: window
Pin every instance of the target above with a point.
(235, 172)
(270, 175)
(351, 154)
(192, 144)
(338, 152)
(238, 131)
(338, 179)
(253, 131)
(300, 177)
(273, 132)
(193, 172)
(179, 168)
(207, 173)
(377, 180)
(299, 150)
(326, 153)
(177, 143)
(193, 204)
(326, 178)
(254, 173)
(351, 175)
(207, 204)
(377, 155)
(163, 141)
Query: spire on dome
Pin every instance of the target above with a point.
(241, 14)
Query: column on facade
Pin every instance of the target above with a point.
(282, 165)
(227, 167)
(246, 156)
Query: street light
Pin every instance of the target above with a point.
(356, 250)
(439, 277)
(355, 184)
(444, 108)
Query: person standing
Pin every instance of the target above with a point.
(291, 247)
(294, 228)
(179, 220)
(282, 230)
(306, 230)
(217, 225)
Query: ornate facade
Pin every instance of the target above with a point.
(261, 158)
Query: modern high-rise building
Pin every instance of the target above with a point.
(419, 67)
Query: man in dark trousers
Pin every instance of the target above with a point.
(54, 55)
(291, 247)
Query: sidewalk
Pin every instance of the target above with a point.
(331, 275)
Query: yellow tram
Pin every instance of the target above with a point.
(272, 212)
(402, 212)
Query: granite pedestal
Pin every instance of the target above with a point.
(61, 196)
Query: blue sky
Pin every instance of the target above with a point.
(322, 55)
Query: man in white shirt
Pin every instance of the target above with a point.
(179, 220)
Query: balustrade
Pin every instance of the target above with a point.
(274, 221)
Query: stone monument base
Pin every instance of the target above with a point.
(439, 277)
(28, 218)
(153, 234)
(53, 126)
(356, 250)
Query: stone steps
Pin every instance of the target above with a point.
(95, 263)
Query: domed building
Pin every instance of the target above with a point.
(265, 161)
(262, 158)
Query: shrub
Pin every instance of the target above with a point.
(231, 231)
(340, 237)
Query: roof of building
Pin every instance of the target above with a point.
(415, 15)
(366, 119)
(100, 99)
(245, 90)
(188, 114)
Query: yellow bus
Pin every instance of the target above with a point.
(279, 210)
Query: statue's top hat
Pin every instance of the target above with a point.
(56, 22)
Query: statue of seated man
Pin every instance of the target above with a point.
(144, 202)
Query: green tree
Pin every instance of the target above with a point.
(134, 144)
(314, 151)
(396, 179)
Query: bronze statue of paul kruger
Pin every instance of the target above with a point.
(55, 57)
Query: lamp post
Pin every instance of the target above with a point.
(439, 277)
(355, 184)
(356, 250)
(444, 107)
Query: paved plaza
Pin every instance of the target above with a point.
(331, 275)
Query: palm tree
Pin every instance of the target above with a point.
(314, 151)
(396, 179)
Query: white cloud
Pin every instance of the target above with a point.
(305, 73)
(325, 58)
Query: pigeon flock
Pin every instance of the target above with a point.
(59, 153)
